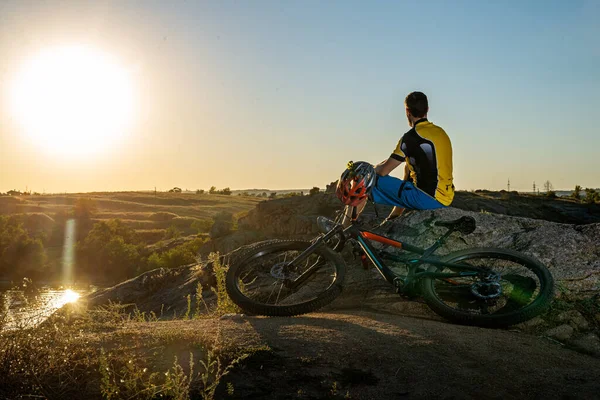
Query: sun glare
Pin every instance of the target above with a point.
(73, 100)
(68, 296)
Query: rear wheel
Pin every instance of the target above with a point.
(517, 289)
(259, 282)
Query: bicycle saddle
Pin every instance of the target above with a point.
(464, 225)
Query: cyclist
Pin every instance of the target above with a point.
(428, 184)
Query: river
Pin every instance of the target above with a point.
(24, 307)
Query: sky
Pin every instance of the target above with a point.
(282, 94)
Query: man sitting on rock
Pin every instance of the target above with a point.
(427, 183)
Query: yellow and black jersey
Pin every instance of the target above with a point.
(427, 151)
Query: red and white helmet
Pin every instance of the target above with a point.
(356, 183)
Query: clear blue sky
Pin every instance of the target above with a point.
(281, 94)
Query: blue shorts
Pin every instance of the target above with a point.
(396, 192)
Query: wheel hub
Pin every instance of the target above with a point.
(280, 271)
(486, 290)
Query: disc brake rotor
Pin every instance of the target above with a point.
(486, 290)
(281, 271)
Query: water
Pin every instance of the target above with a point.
(29, 308)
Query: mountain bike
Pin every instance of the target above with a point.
(487, 287)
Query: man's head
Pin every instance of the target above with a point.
(416, 107)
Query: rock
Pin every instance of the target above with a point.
(220, 228)
(532, 323)
(233, 317)
(589, 344)
(574, 318)
(562, 332)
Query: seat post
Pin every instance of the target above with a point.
(438, 243)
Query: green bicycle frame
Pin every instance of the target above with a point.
(362, 237)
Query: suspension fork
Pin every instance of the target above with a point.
(294, 284)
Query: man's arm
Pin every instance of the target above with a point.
(387, 166)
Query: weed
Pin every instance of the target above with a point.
(224, 303)
(189, 307)
(133, 381)
(200, 299)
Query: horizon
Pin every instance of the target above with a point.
(282, 95)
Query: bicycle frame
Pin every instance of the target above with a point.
(363, 237)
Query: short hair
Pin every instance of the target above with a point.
(416, 103)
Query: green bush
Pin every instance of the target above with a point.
(18, 251)
(110, 252)
(202, 225)
(177, 256)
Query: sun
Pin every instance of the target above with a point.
(73, 100)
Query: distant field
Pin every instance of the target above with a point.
(149, 214)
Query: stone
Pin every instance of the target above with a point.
(532, 323)
(574, 318)
(589, 344)
(233, 317)
(562, 332)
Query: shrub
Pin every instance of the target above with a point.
(111, 251)
(172, 232)
(202, 225)
(18, 251)
(314, 190)
(181, 255)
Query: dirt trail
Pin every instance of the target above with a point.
(379, 356)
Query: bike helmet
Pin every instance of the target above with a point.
(356, 183)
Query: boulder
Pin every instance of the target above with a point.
(562, 332)
(589, 344)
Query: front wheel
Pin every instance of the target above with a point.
(517, 289)
(260, 282)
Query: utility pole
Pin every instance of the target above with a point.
(533, 187)
(508, 184)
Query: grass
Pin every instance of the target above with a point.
(106, 353)
(117, 351)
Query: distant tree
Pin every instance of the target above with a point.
(13, 193)
(272, 195)
(212, 190)
(591, 196)
(548, 186)
(314, 191)
(175, 190)
(577, 192)
(264, 194)
(200, 191)
(226, 191)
